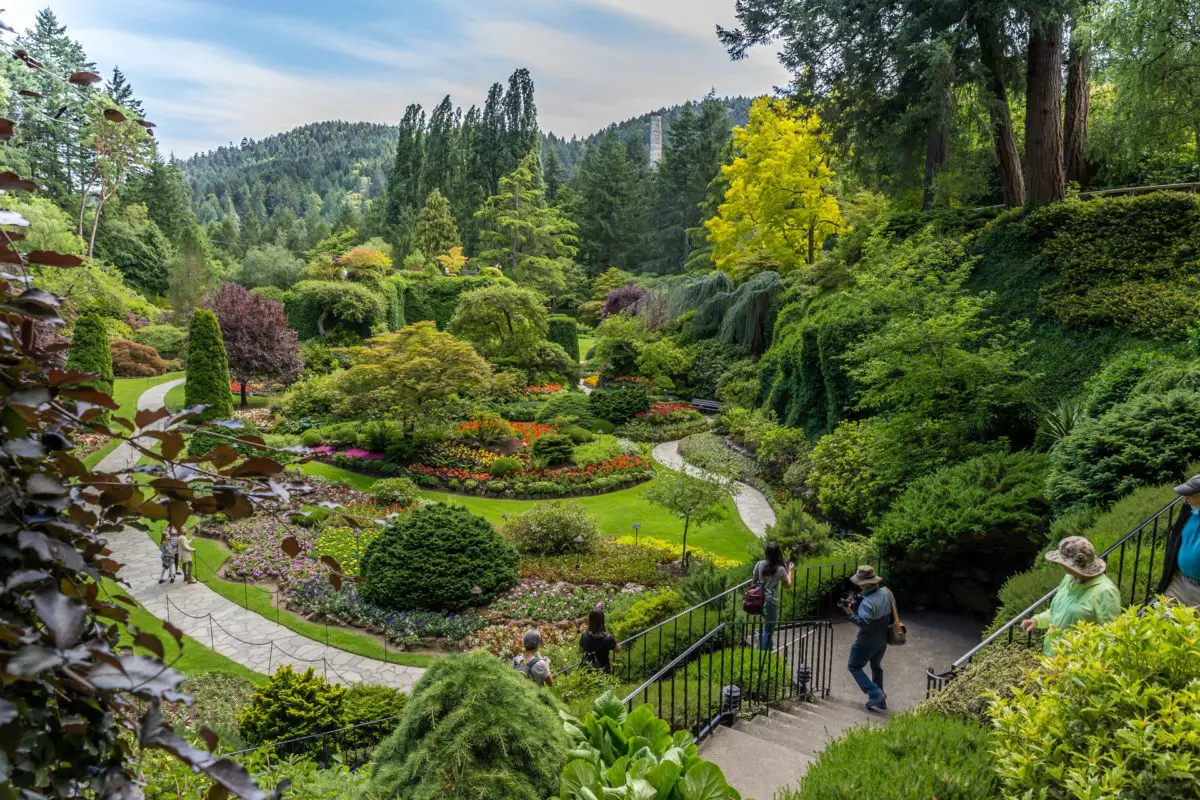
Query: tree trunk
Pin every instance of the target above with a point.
(683, 561)
(245, 399)
(96, 223)
(935, 159)
(1008, 158)
(812, 243)
(1075, 117)
(1043, 113)
(321, 323)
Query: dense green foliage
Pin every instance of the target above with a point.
(993, 673)
(90, 352)
(619, 405)
(473, 729)
(988, 516)
(437, 557)
(553, 528)
(564, 332)
(169, 341)
(207, 368)
(366, 702)
(1117, 706)
(926, 755)
(647, 612)
(292, 704)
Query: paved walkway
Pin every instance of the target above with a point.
(751, 504)
(235, 632)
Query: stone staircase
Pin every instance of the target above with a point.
(768, 752)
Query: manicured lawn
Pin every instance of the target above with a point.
(176, 401)
(615, 513)
(126, 392)
(192, 658)
(586, 343)
(211, 554)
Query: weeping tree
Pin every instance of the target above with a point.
(742, 316)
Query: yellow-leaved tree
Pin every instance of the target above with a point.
(778, 206)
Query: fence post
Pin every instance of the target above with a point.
(212, 640)
(270, 657)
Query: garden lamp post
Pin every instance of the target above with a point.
(505, 517)
(637, 526)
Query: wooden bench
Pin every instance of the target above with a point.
(706, 406)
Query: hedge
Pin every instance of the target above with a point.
(435, 298)
(90, 352)
(564, 331)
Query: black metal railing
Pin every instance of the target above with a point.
(812, 595)
(352, 745)
(739, 667)
(1134, 564)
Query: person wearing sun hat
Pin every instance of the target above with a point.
(1181, 567)
(872, 613)
(1086, 594)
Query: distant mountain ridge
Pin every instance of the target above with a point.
(333, 158)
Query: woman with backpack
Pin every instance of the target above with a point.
(597, 644)
(769, 574)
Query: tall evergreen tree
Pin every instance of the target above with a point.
(523, 234)
(207, 369)
(553, 170)
(606, 207)
(164, 190)
(404, 180)
(436, 232)
(489, 155)
(520, 117)
(437, 168)
(122, 93)
(90, 351)
(191, 273)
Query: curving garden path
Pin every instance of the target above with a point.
(235, 632)
(751, 504)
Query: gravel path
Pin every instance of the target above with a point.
(235, 632)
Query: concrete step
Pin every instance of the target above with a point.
(756, 767)
(804, 742)
(829, 716)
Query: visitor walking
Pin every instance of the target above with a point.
(1181, 568)
(872, 612)
(770, 572)
(531, 663)
(598, 644)
(185, 550)
(1086, 594)
(168, 550)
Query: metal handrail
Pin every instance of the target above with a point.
(675, 662)
(965, 658)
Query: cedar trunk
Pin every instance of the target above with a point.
(935, 159)
(1043, 113)
(1008, 158)
(1075, 117)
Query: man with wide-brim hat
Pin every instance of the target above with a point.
(1181, 566)
(872, 613)
(1086, 594)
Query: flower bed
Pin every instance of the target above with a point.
(554, 602)
(591, 380)
(321, 602)
(505, 640)
(258, 556)
(671, 551)
(609, 563)
(88, 443)
(605, 476)
(543, 390)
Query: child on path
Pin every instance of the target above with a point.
(169, 549)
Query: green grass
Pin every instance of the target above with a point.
(211, 554)
(126, 392)
(615, 513)
(176, 400)
(586, 343)
(191, 658)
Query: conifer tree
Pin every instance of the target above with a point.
(90, 351)
(609, 190)
(122, 93)
(520, 232)
(207, 369)
(436, 231)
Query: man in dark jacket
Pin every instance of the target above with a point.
(1181, 568)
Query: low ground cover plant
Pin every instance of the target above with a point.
(554, 602)
(553, 528)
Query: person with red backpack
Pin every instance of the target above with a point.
(768, 574)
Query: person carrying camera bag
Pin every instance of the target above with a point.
(874, 613)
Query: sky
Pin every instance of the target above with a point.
(210, 72)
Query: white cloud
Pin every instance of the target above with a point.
(696, 18)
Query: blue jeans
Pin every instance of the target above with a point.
(770, 615)
(861, 654)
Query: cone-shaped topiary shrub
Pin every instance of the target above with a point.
(292, 704)
(438, 557)
(473, 728)
(90, 351)
(207, 369)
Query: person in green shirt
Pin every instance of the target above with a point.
(1086, 594)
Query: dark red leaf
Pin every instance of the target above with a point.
(84, 78)
(332, 563)
(93, 396)
(49, 258)
(12, 182)
(335, 580)
(32, 659)
(211, 740)
(60, 378)
(112, 115)
(30, 93)
(150, 642)
(148, 416)
(256, 466)
(291, 546)
(178, 513)
(175, 632)
(147, 124)
(63, 617)
(6, 129)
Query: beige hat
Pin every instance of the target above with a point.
(1077, 553)
(865, 576)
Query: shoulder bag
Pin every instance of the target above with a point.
(897, 633)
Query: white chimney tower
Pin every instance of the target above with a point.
(656, 140)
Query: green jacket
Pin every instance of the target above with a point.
(1095, 600)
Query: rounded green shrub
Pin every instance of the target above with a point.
(554, 449)
(648, 611)
(800, 534)
(916, 755)
(366, 702)
(169, 341)
(207, 369)
(570, 405)
(618, 406)
(554, 528)
(473, 729)
(1147, 439)
(395, 491)
(503, 467)
(438, 557)
(989, 514)
(577, 434)
(1117, 707)
(292, 704)
(564, 332)
(311, 438)
(90, 352)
